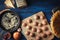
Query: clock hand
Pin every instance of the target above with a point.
(12, 17)
(6, 16)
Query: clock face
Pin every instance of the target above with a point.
(10, 21)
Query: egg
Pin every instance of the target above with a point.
(16, 35)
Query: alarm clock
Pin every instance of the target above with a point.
(9, 20)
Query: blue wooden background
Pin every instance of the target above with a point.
(34, 6)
